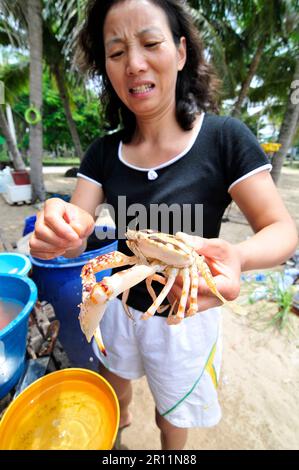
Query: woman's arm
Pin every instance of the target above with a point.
(62, 228)
(274, 241)
(275, 236)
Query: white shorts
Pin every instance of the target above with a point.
(181, 362)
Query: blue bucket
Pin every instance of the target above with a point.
(13, 337)
(59, 283)
(14, 263)
(29, 224)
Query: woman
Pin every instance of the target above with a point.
(157, 85)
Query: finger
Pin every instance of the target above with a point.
(217, 267)
(47, 256)
(178, 281)
(82, 230)
(210, 247)
(53, 217)
(43, 233)
(193, 241)
(204, 303)
(79, 220)
(228, 288)
(37, 245)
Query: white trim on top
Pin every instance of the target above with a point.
(170, 162)
(268, 166)
(89, 179)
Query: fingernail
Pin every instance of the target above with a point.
(73, 234)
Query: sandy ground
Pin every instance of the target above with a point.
(259, 383)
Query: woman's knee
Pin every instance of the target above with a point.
(164, 425)
(122, 387)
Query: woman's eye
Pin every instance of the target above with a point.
(116, 54)
(151, 44)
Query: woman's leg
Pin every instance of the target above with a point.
(172, 438)
(123, 390)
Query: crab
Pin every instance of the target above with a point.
(157, 257)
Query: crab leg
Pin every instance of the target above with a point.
(115, 259)
(172, 307)
(193, 308)
(99, 340)
(207, 275)
(152, 293)
(172, 273)
(94, 305)
(179, 316)
(124, 300)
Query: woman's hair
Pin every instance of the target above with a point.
(197, 84)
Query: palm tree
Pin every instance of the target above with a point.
(246, 28)
(260, 21)
(35, 39)
(17, 77)
(17, 159)
(57, 66)
(26, 15)
(288, 128)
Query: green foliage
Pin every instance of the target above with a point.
(56, 133)
(15, 77)
(275, 291)
(231, 29)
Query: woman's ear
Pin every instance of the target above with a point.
(182, 53)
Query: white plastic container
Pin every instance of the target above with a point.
(5, 179)
(18, 193)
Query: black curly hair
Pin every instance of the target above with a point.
(197, 85)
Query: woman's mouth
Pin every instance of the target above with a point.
(141, 89)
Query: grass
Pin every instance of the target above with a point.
(59, 161)
(274, 310)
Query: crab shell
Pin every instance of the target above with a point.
(151, 245)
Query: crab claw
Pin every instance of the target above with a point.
(93, 309)
(95, 301)
(99, 341)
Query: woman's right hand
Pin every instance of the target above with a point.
(60, 227)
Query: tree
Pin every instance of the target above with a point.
(6, 73)
(247, 29)
(26, 15)
(288, 128)
(16, 77)
(35, 39)
(18, 162)
(56, 63)
(260, 21)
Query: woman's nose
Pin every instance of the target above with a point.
(136, 62)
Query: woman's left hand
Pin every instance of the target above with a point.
(224, 262)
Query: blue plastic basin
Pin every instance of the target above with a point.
(13, 336)
(14, 263)
(59, 283)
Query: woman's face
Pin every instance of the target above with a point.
(142, 60)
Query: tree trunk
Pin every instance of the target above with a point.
(287, 130)
(36, 68)
(18, 162)
(59, 75)
(251, 73)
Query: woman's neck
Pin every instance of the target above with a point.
(156, 129)
(155, 143)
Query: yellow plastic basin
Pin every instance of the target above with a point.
(68, 409)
